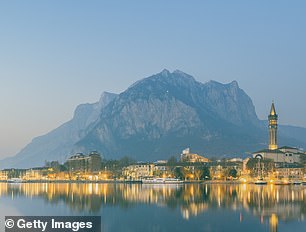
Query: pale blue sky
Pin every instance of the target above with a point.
(55, 55)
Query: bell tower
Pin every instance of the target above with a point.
(273, 128)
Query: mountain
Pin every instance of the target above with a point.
(158, 117)
(57, 144)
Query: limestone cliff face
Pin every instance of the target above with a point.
(230, 102)
(162, 114)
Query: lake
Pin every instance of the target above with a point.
(146, 208)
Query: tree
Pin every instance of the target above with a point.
(303, 158)
(232, 173)
(181, 172)
(266, 165)
(205, 173)
(198, 173)
(47, 164)
(201, 173)
(178, 173)
(126, 161)
(172, 161)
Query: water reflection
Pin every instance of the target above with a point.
(273, 203)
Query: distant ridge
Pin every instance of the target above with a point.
(57, 144)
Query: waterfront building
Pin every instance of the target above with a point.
(138, 171)
(76, 163)
(290, 172)
(280, 155)
(162, 170)
(3, 175)
(186, 156)
(235, 160)
(35, 174)
(84, 163)
(12, 173)
(224, 169)
(94, 162)
(160, 162)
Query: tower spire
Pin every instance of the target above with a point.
(273, 117)
(272, 111)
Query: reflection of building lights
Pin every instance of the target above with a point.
(192, 200)
(273, 223)
(262, 219)
(185, 214)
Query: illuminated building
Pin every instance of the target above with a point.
(186, 156)
(138, 171)
(35, 174)
(3, 175)
(273, 223)
(273, 128)
(94, 162)
(282, 155)
(84, 163)
(289, 172)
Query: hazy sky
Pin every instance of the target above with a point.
(55, 55)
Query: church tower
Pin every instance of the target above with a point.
(273, 128)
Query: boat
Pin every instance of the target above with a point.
(132, 181)
(281, 182)
(277, 182)
(297, 182)
(173, 181)
(260, 181)
(162, 181)
(15, 180)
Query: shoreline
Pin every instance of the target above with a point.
(116, 181)
(138, 182)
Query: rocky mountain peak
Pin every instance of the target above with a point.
(106, 98)
(234, 84)
(165, 78)
(86, 109)
(165, 72)
(161, 85)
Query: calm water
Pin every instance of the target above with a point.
(141, 208)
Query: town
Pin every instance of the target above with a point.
(275, 165)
